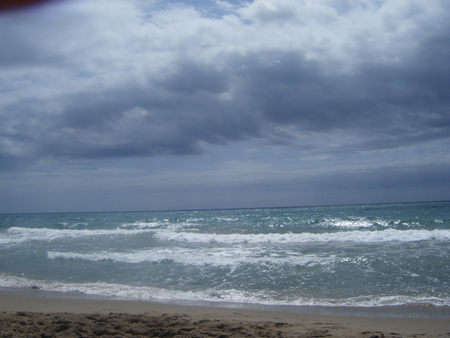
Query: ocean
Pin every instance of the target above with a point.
(358, 256)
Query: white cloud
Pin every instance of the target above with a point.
(316, 81)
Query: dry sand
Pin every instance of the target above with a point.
(25, 316)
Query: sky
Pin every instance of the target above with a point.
(109, 105)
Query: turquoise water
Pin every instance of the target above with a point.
(365, 255)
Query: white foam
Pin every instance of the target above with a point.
(232, 257)
(72, 225)
(340, 223)
(228, 219)
(165, 223)
(212, 295)
(361, 222)
(389, 235)
(17, 235)
(142, 225)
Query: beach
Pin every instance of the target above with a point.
(28, 316)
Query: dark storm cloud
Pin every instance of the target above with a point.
(190, 78)
(400, 100)
(133, 121)
(206, 96)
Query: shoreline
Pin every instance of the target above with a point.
(115, 316)
(388, 311)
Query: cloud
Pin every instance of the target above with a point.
(97, 80)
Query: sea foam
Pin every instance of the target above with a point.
(231, 257)
(388, 235)
(16, 235)
(212, 295)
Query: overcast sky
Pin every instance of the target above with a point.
(109, 105)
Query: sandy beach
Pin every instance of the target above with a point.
(27, 316)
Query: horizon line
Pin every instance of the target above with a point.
(219, 209)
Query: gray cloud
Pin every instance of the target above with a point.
(190, 78)
(114, 80)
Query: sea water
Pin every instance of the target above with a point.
(336, 256)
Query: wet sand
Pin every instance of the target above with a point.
(27, 316)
